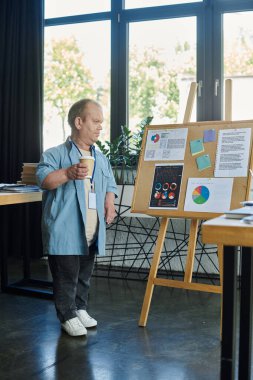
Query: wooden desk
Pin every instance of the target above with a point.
(15, 198)
(26, 285)
(233, 233)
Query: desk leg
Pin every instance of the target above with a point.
(4, 251)
(27, 249)
(229, 313)
(245, 339)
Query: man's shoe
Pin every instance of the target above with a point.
(86, 320)
(74, 327)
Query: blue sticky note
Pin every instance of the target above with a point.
(203, 162)
(196, 146)
(209, 135)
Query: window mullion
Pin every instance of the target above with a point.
(118, 69)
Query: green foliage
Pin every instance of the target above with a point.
(241, 47)
(123, 152)
(153, 87)
(149, 83)
(66, 77)
(138, 135)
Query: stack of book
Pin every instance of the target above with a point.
(28, 173)
(245, 213)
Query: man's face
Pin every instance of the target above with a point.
(91, 125)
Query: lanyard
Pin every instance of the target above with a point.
(93, 153)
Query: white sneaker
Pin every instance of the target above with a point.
(86, 319)
(74, 327)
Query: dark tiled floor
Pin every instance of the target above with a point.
(180, 342)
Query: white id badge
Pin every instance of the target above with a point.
(92, 204)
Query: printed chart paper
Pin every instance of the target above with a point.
(208, 194)
(232, 156)
(166, 144)
(166, 186)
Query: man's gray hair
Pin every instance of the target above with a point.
(78, 110)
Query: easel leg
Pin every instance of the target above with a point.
(153, 272)
(191, 250)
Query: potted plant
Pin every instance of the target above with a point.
(123, 152)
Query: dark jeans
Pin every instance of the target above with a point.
(71, 282)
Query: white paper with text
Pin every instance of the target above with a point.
(232, 155)
(166, 144)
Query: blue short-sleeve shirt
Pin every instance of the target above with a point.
(64, 209)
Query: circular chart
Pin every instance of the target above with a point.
(200, 195)
(155, 138)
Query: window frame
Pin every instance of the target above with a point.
(209, 49)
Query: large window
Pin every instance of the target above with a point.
(153, 3)
(138, 58)
(238, 61)
(77, 65)
(60, 8)
(161, 69)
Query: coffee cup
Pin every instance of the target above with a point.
(89, 161)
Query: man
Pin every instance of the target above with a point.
(75, 210)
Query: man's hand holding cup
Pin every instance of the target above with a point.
(88, 161)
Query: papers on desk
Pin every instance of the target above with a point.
(248, 219)
(18, 188)
(247, 203)
(239, 213)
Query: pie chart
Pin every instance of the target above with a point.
(155, 138)
(200, 195)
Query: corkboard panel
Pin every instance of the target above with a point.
(145, 172)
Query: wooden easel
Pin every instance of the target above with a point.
(194, 224)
